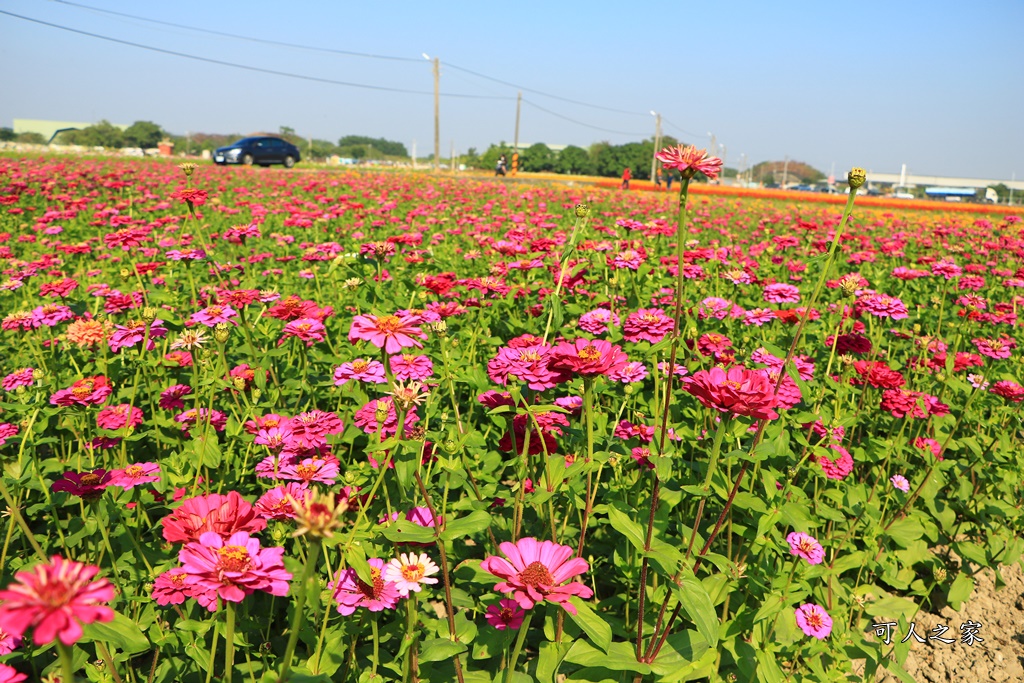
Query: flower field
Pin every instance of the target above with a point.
(321, 426)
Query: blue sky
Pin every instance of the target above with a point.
(935, 85)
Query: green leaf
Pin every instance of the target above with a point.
(905, 531)
(622, 523)
(594, 626)
(356, 558)
(768, 670)
(698, 606)
(122, 633)
(621, 656)
(403, 531)
(684, 657)
(440, 649)
(960, 590)
(549, 659)
(473, 523)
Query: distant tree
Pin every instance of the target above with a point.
(381, 146)
(471, 158)
(6, 134)
(793, 171)
(489, 159)
(286, 131)
(144, 134)
(538, 158)
(322, 149)
(102, 134)
(575, 160)
(31, 138)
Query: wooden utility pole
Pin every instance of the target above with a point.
(515, 143)
(657, 144)
(437, 113)
(453, 157)
(414, 155)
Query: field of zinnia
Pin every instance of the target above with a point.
(312, 426)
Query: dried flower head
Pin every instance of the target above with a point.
(408, 395)
(187, 168)
(319, 514)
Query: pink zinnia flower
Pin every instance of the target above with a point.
(211, 315)
(900, 482)
(530, 364)
(1009, 390)
(324, 470)
(171, 587)
(170, 398)
(587, 358)
(232, 569)
(814, 621)
(537, 571)
(995, 348)
(688, 160)
(758, 316)
(840, 467)
(8, 674)
(366, 417)
(21, 378)
(629, 373)
(277, 502)
(135, 475)
(85, 392)
(119, 416)
(308, 330)
(805, 546)
(597, 321)
(360, 370)
(55, 599)
(505, 615)
(648, 324)
(739, 391)
(410, 367)
(8, 643)
(882, 306)
(222, 514)
(351, 592)
(389, 332)
(780, 293)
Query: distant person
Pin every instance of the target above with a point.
(657, 180)
(502, 168)
(669, 177)
(625, 178)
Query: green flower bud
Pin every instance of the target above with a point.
(581, 210)
(857, 177)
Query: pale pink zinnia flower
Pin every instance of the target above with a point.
(900, 482)
(308, 330)
(688, 160)
(55, 599)
(779, 293)
(211, 315)
(814, 621)
(409, 570)
(805, 546)
(537, 571)
(232, 569)
(389, 332)
(629, 373)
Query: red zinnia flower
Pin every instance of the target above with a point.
(739, 391)
(587, 358)
(688, 160)
(214, 512)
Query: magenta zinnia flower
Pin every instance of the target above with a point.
(134, 475)
(647, 324)
(351, 592)
(505, 614)
(805, 546)
(361, 370)
(55, 599)
(8, 674)
(688, 160)
(85, 485)
(232, 569)
(536, 571)
(224, 515)
(814, 621)
(389, 332)
(739, 391)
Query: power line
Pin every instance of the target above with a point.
(247, 67)
(578, 123)
(346, 52)
(544, 94)
(681, 130)
(239, 37)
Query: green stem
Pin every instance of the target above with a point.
(716, 449)
(300, 603)
(518, 646)
(229, 642)
(67, 666)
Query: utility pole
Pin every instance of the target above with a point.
(712, 148)
(515, 142)
(723, 162)
(785, 172)
(1013, 179)
(414, 155)
(453, 157)
(657, 144)
(437, 113)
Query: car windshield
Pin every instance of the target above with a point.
(240, 143)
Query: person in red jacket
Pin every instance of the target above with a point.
(625, 178)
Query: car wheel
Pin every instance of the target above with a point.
(289, 161)
(247, 160)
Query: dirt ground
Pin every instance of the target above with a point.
(999, 658)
